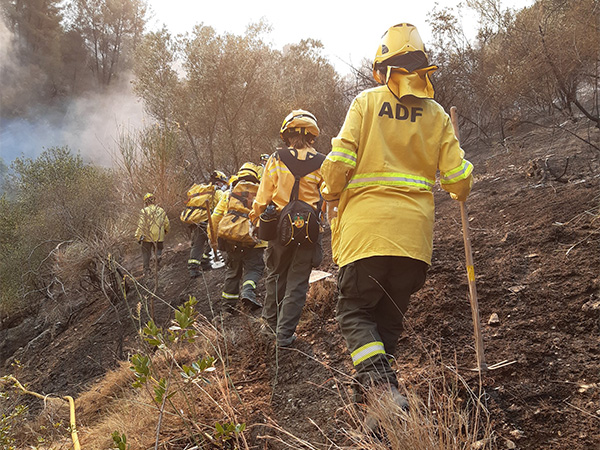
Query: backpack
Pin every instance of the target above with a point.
(235, 225)
(298, 221)
(195, 206)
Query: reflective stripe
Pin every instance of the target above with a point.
(390, 179)
(230, 296)
(343, 155)
(194, 261)
(250, 282)
(367, 351)
(460, 173)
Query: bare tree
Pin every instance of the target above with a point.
(110, 30)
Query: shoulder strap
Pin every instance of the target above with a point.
(299, 167)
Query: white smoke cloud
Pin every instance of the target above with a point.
(89, 124)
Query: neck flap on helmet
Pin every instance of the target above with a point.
(401, 82)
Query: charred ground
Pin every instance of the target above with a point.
(534, 218)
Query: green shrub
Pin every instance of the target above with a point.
(55, 198)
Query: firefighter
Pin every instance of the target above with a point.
(245, 261)
(153, 224)
(289, 264)
(195, 215)
(379, 176)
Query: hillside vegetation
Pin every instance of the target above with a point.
(150, 364)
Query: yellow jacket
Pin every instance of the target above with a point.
(153, 224)
(382, 168)
(219, 194)
(277, 182)
(221, 209)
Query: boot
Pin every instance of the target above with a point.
(287, 342)
(251, 301)
(391, 396)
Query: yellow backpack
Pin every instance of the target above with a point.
(235, 225)
(195, 207)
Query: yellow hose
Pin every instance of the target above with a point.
(67, 398)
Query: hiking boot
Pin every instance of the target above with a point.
(384, 397)
(253, 303)
(358, 393)
(287, 342)
(400, 400)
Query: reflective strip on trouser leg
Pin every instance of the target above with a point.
(194, 262)
(227, 296)
(248, 290)
(253, 266)
(367, 351)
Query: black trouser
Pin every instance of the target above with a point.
(288, 271)
(318, 254)
(147, 248)
(373, 297)
(245, 264)
(200, 250)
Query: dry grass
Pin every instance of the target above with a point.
(445, 414)
(89, 257)
(100, 398)
(188, 417)
(322, 297)
(444, 419)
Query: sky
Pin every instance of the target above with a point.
(348, 33)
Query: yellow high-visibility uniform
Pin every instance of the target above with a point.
(382, 168)
(288, 267)
(277, 183)
(245, 265)
(153, 224)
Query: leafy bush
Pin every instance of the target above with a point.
(55, 198)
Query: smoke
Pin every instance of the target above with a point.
(88, 124)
